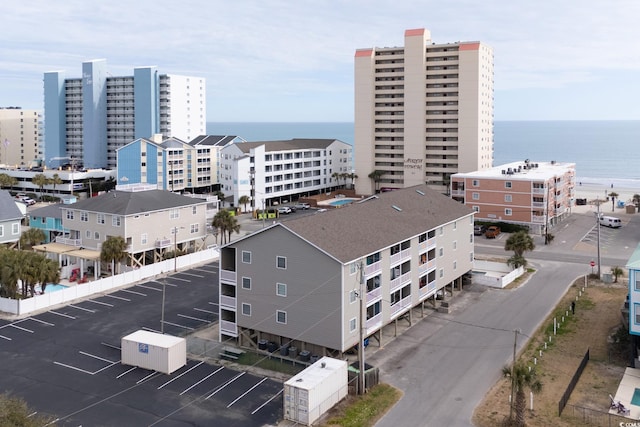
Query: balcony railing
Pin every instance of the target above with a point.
(228, 276)
(538, 190)
(374, 323)
(228, 328)
(228, 301)
(538, 204)
(428, 290)
(538, 219)
(372, 268)
(399, 281)
(423, 268)
(373, 294)
(401, 306)
(68, 241)
(457, 192)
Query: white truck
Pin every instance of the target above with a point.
(610, 221)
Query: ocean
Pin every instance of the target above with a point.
(601, 150)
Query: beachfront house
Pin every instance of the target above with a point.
(535, 194)
(300, 282)
(276, 172)
(10, 219)
(49, 220)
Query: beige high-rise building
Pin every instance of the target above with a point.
(422, 112)
(19, 136)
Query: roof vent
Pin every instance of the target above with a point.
(396, 208)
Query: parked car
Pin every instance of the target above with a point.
(293, 208)
(284, 210)
(26, 200)
(492, 232)
(479, 230)
(303, 206)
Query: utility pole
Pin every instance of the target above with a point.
(598, 202)
(513, 372)
(363, 325)
(164, 287)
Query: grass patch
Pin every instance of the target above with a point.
(366, 410)
(271, 364)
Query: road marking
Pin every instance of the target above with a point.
(106, 367)
(183, 280)
(225, 384)
(134, 292)
(62, 314)
(178, 326)
(267, 402)
(185, 372)
(204, 379)
(41, 321)
(205, 311)
(117, 297)
(100, 302)
(96, 357)
(192, 318)
(214, 303)
(110, 345)
(6, 338)
(147, 377)
(247, 392)
(81, 308)
(19, 327)
(192, 274)
(126, 372)
(149, 287)
(73, 367)
(215, 270)
(151, 329)
(163, 283)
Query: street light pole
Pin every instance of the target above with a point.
(175, 249)
(164, 288)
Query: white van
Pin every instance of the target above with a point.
(610, 221)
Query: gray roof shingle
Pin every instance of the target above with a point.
(363, 228)
(135, 202)
(291, 144)
(8, 208)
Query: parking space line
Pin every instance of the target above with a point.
(178, 326)
(154, 373)
(267, 402)
(204, 379)
(110, 345)
(41, 321)
(214, 303)
(6, 338)
(96, 357)
(117, 297)
(134, 292)
(106, 367)
(205, 311)
(13, 325)
(192, 318)
(149, 287)
(225, 384)
(215, 270)
(162, 283)
(178, 278)
(73, 367)
(126, 372)
(81, 308)
(145, 328)
(100, 302)
(247, 392)
(192, 274)
(173, 379)
(62, 314)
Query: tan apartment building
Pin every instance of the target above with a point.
(535, 194)
(19, 136)
(423, 112)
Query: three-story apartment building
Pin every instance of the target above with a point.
(535, 194)
(301, 281)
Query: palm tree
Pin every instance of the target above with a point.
(376, 175)
(55, 180)
(48, 272)
(521, 378)
(232, 225)
(519, 242)
(344, 176)
(10, 273)
(40, 180)
(7, 180)
(31, 237)
(243, 200)
(113, 250)
(220, 223)
(336, 176)
(615, 272)
(352, 176)
(613, 196)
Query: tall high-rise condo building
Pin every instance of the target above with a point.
(422, 112)
(20, 137)
(88, 118)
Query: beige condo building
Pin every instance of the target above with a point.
(423, 112)
(19, 136)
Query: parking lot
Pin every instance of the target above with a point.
(65, 362)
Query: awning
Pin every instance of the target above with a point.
(54, 248)
(85, 254)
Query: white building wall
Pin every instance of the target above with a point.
(187, 106)
(19, 136)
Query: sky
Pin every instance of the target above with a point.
(292, 60)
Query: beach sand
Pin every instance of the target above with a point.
(595, 191)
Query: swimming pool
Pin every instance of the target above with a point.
(52, 287)
(341, 202)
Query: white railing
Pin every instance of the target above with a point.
(537, 204)
(105, 285)
(228, 276)
(372, 268)
(400, 306)
(68, 241)
(228, 301)
(538, 190)
(457, 192)
(538, 218)
(428, 290)
(423, 268)
(228, 328)
(374, 323)
(375, 293)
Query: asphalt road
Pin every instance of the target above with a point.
(65, 362)
(446, 363)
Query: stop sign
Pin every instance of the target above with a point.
(592, 263)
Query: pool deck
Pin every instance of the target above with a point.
(346, 200)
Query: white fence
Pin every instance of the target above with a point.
(494, 274)
(104, 285)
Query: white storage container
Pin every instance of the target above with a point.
(315, 390)
(157, 352)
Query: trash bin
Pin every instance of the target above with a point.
(293, 352)
(262, 344)
(305, 355)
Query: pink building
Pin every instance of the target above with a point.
(534, 194)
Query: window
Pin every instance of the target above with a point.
(441, 251)
(96, 235)
(246, 309)
(194, 210)
(373, 283)
(69, 214)
(455, 265)
(353, 296)
(15, 228)
(441, 272)
(475, 208)
(1, 230)
(636, 309)
(507, 198)
(475, 196)
(195, 228)
(455, 225)
(353, 267)
(88, 234)
(174, 214)
(507, 184)
(637, 276)
(281, 317)
(115, 221)
(353, 324)
(246, 283)
(100, 218)
(455, 245)
(281, 289)
(508, 212)
(281, 262)
(372, 259)
(475, 183)
(246, 257)
(143, 238)
(84, 216)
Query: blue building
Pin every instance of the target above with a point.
(49, 220)
(88, 118)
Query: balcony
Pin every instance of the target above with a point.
(373, 294)
(536, 190)
(228, 276)
(401, 306)
(163, 243)
(400, 256)
(429, 265)
(459, 193)
(228, 302)
(427, 244)
(428, 290)
(399, 281)
(68, 241)
(374, 323)
(372, 268)
(538, 204)
(228, 328)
